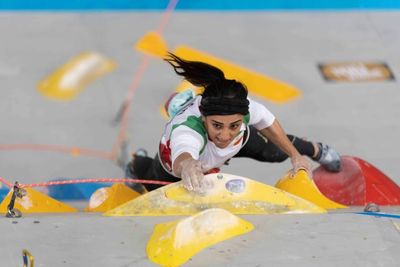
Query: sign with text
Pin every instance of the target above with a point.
(356, 72)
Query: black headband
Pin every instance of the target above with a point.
(223, 106)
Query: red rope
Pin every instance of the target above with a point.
(7, 183)
(87, 180)
(120, 138)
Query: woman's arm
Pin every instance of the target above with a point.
(177, 167)
(277, 135)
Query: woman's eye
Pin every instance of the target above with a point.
(234, 127)
(217, 126)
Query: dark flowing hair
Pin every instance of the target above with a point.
(221, 96)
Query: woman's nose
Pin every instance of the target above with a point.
(225, 134)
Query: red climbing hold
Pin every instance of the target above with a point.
(357, 184)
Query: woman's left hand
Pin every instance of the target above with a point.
(301, 163)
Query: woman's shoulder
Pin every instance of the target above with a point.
(191, 121)
(192, 109)
(255, 106)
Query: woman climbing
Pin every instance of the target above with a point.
(221, 123)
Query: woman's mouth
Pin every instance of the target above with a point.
(223, 142)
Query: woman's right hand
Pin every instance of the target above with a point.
(300, 162)
(193, 177)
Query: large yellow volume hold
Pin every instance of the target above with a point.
(173, 243)
(35, 202)
(236, 194)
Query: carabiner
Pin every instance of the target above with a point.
(17, 192)
(27, 258)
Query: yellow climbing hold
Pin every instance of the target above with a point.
(301, 185)
(257, 83)
(35, 202)
(184, 85)
(236, 194)
(107, 198)
(67, 81)
(152, 43)
(173, 243)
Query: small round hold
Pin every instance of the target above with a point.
(236, 185)
(372, 207)
(220, 176)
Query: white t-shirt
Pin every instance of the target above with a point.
(185, 133)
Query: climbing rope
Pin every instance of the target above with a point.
(86, 180)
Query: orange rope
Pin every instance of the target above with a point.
(167, 14)
(135, 82)
(58, 148)
(127, 104)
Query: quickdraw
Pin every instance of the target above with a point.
(27, 258)
(17, 192)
